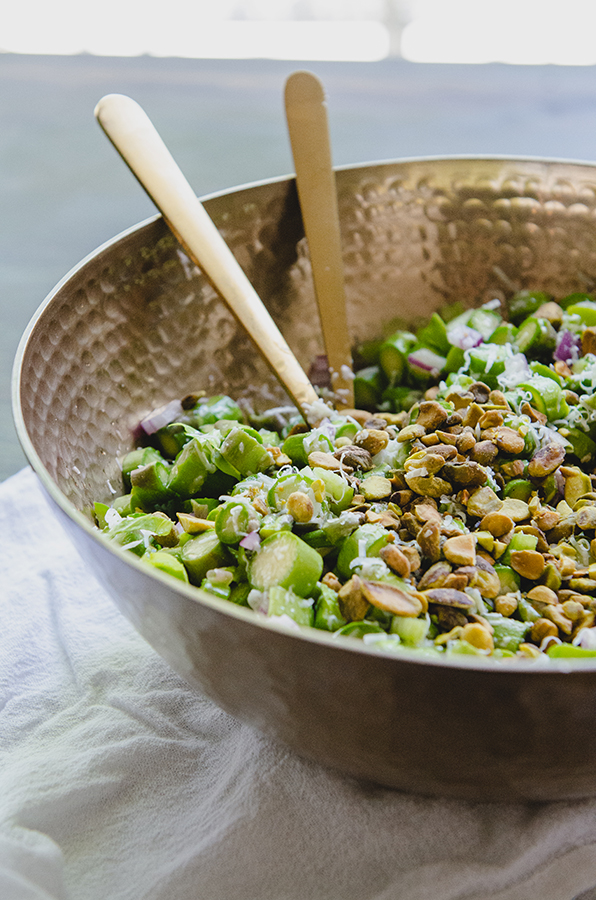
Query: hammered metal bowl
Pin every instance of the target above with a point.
(136, 324)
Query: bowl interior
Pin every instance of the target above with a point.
(136, 324)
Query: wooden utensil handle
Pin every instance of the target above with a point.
(132, 133)
(306, 113)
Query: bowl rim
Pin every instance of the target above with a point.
(500, 667)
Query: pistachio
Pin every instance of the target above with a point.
(392, 599)
(478, 636)
(375, 487)
(332, 581)
(355, 457)
(513, 469)
(461, 550)
(486, 540)
(352, 602)
(577, 483)
(260, 505)
(431, 415)
(435, 576)
(533, 414)
(506, 604)
(586, 518)
(376, 422)
(300, 506)
(561, 368)
(465, 441)
(542, 594)
(561, 531)
(498, 523)
(472, 415)
(509, 440)
(518, 510)
(566, 566)
(555, 614)
(432, 462)
(546, 519)
(447, 451)
(280, 459)
(458, 582)
(482, 501)
(486, 579)
(529, 651)
(371, 439)
(387, 519)
(428, 485)
(402, 498)
(551, 577)
(588, 340)
(460, 401)
(480, 391)
(469, 473)
(543, 628)
(451, 622)
(449, 597)
(491, 419)
(551, 311)
(326, 461)
(528, 563)
(429, 541)
(413, 557)
(396, 560)
(546, 460)
(410, 522)
(447, 438)
(410, 432)
(193, 524)
(583, 585)
(484, 452)
(497, 398)
(573, 610)
(426, 510)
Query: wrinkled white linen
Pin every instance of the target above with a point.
(117, 780)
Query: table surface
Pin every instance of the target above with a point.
(64, 191)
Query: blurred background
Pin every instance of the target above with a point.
(403, 78)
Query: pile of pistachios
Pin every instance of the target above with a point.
(452, 511)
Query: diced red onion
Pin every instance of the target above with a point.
(252, 541)
(426, 360)
(161, 417)
(464, 337)
(568, 347)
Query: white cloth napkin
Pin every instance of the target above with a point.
(117, 780)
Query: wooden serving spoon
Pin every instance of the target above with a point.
(135, 138)
(306, 113)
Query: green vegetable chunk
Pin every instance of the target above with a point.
(287, 603)
(245, 453)
(201, 553)
(286, 561)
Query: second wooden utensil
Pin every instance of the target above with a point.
(306, 113)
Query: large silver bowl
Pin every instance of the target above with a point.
(135, 325)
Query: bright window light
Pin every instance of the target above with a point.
(523, 32)
(183, 28)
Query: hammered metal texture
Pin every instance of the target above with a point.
(137, 325)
